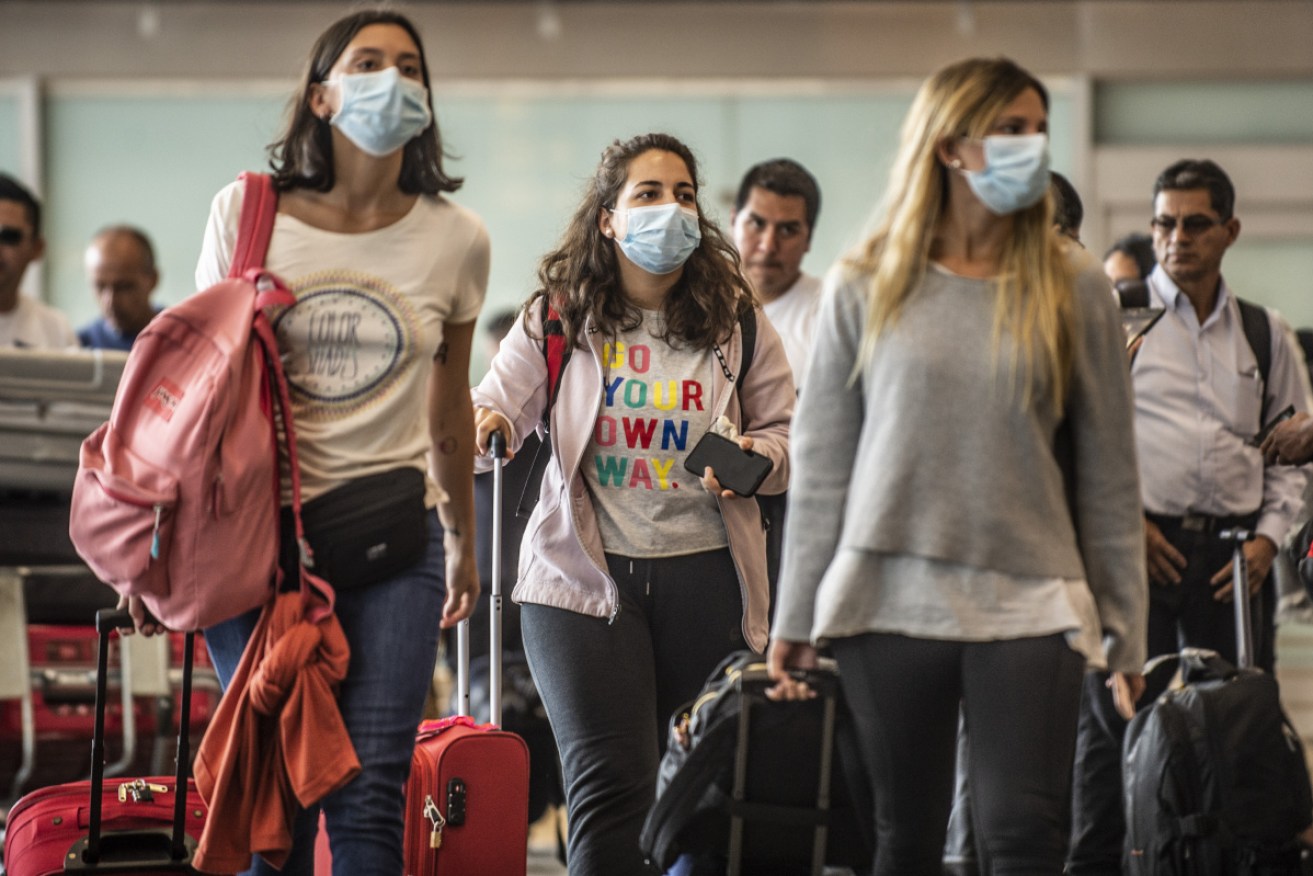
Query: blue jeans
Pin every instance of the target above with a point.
(610, 689)
(392, 628)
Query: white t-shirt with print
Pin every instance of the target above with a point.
(656, 406)
(36, 326)
(793, 315)
(359, 344)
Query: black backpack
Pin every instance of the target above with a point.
(780, 770)
(1215, 781)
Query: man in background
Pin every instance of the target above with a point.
(120, 266)
(24, 321)
(773, 219)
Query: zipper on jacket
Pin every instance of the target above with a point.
(568, 483)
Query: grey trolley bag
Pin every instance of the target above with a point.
(1214, 777)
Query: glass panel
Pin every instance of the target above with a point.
(1204, 112)
(151, 161)
(10, 153)
(1277, 273)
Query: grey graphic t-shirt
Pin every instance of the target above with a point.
(656, 404)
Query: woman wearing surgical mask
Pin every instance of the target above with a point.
(389, 277)
(636, 577)
(960, 545)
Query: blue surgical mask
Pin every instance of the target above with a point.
(660, 238)
(381, 111)
(1016, 173)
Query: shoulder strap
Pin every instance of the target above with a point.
(1258, 332)
(748, 328)
(556, 351)
(256, 226)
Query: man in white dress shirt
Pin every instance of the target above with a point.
(1201, 398)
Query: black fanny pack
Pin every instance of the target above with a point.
(361, 533)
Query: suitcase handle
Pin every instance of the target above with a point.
(1244, 635)
(93, 847)
(497, 450)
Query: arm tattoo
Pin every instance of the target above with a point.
(447, 446)
(441, 354)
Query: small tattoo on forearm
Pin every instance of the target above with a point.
(447, 446)
(441, 355)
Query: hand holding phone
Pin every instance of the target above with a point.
(737, 469)
(1280, 418)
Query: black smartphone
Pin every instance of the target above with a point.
(1280, 418)
(737, 469)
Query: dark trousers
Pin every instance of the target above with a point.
(1020, 699)
(1186, 614)
(611, 687)
(1098, 823)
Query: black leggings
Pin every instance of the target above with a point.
(1019, 698)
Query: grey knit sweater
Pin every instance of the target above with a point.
(932, 453)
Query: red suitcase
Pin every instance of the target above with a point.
(467, 800)
(127, 826)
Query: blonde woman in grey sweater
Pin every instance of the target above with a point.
(953, 555)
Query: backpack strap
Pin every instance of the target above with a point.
(556, 352)
(256, 226)
(1258, 332)
(748, 328)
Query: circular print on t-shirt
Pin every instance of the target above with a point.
(347, 339)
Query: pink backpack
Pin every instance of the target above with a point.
(176, 498)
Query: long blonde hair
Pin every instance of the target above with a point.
(1034, 282)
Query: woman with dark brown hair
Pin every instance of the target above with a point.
(636, 578)
(389, 277)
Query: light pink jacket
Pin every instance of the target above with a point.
(561, 557)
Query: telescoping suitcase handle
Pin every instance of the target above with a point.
(91, 853)
(1244, 635)
(497, 448)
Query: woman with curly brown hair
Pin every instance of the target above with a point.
(636, 578)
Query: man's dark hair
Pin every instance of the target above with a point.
(1192, 173)
(500, 323)
(138, 236)
(1068, 211)
(784, 177)
(13, 190)
(1138, 246)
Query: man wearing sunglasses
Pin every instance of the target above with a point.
(1201, 399)
(24, 321)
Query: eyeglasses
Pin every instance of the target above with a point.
(11, 236)
(1196, 224)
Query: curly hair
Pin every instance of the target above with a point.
(303, 156)
(581, 277)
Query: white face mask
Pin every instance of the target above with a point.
(381, 111)
(661, 237)
(1016, 172)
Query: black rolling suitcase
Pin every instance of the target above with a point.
(764, 787)
(1215, 780)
